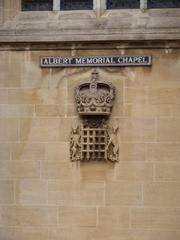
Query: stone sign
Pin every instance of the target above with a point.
(123, 60)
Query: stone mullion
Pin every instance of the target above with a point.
(99, 7)
(143, 4)
(56, 5)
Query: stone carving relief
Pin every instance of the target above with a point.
(95, 97)
(75, 144)
(93, 139)
(112, 146)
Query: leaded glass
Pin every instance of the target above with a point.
(37, 5)
(163, 3)
(118, 4)
(76, 4)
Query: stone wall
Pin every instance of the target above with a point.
(87, 25)
(9, 9)
(43, 195)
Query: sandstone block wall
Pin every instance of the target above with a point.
(44, 196)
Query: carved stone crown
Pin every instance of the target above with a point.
(95, 97)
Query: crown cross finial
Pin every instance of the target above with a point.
(94, 75)
(93, 84)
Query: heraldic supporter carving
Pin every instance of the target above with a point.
(93, 139)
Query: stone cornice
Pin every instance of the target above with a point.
(114, 25)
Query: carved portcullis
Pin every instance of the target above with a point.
(93, 139)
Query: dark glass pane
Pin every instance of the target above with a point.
(117, 4)
(163, 3)
(76, 4)
(37, 5)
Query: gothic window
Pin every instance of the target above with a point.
(120, 4)
(76, 4)
(163, 4)
(37, 5)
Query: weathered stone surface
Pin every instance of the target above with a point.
(168, 130)
(135, 171)
(77, 193)
(77, 216)
(19, 169)
(4, 151)
(19, 233)
(55, 26)
(155, 218)
(28, 216)
(133, 234)
(31, 192)
(44, 196)
(128, 193)
(162, 194)
(167, 171)
(28, 151)
(6, 192)
(71, 233)
(9, 129)
(163, 152)
(113, 217)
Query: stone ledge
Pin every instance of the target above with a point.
(113, 25)
(101, 45)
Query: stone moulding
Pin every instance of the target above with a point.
(93, 139)
(72, 26)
